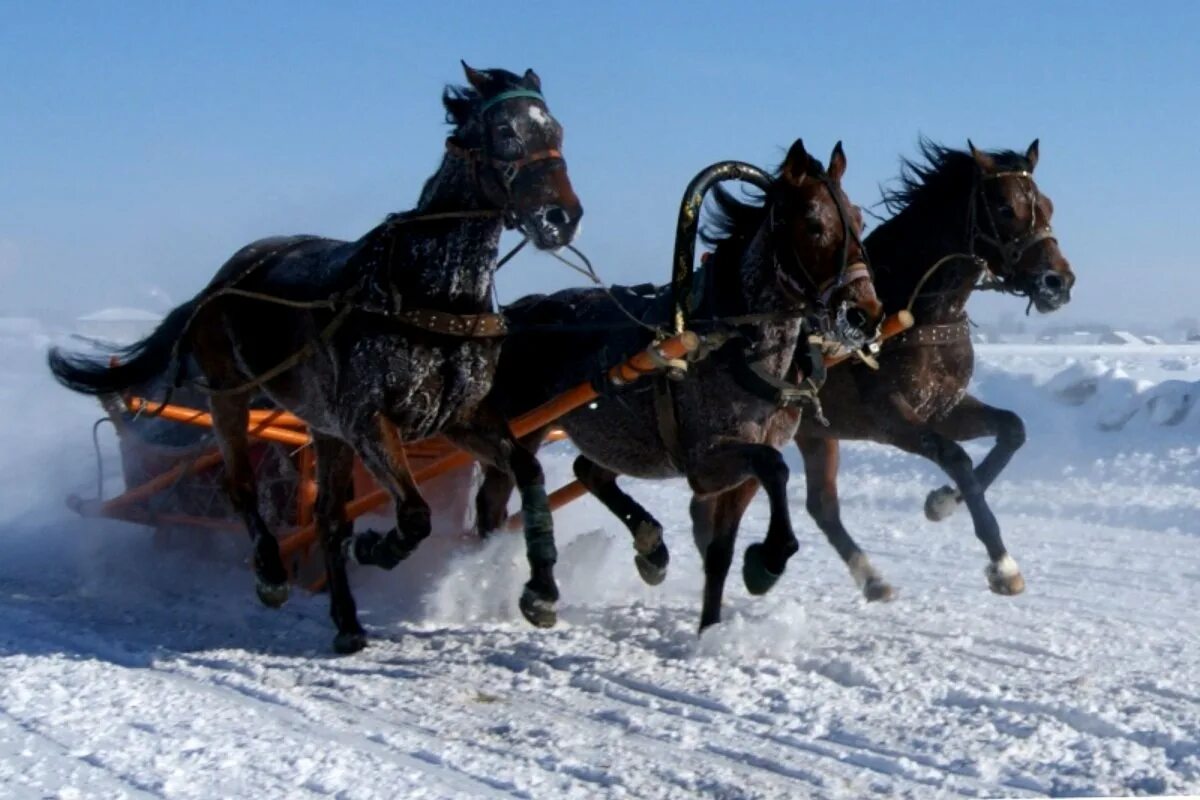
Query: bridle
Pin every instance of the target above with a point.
(504, 170)
(1012, 249)
(834, 319)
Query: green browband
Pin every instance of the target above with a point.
(509, 95)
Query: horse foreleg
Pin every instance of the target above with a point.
(382, 452)
(820, 472)
(652, 555)
(729, 464)
(972, 419)
(488, 438)
(335, 487)
(715, 518)
(230, 415)
(1003, 574)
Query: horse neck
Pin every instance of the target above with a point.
(761, 293)
(452, 262)
(908, 245)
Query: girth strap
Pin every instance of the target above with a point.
(668, 422)
(468, 326)
(932, 335)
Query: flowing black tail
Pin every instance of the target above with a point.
(137, 364)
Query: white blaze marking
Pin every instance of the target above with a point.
(539, 116)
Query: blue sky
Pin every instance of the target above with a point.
(141, 143)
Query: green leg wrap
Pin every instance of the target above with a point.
(539, 525)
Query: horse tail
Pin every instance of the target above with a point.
(136, 364)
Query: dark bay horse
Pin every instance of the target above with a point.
(962, 220)
(775, 262)
(389, 338)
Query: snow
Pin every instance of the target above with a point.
(140, 666)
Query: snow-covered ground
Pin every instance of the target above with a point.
(135, 669)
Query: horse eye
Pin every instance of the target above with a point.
(1006, 211)
(814, 228)
(506, 132)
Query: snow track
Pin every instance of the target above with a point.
(130, 669)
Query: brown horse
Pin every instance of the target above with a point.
(961, 221)
(796, 255)
(389, 338)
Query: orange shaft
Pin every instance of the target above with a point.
(203, 419)
(895, 324)
(160, 482)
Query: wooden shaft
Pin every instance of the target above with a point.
(202, 419)
(159, 482)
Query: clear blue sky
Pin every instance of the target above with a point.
(141, 143)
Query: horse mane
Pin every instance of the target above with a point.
(733, 222)
(941, 172)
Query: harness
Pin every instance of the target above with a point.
(796, 388)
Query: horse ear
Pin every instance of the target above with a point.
(477, 78)
(985, 162)
(1031, 155)
(837, 163)
(795, 166)
(532, 80)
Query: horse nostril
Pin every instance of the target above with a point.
(557, 216)
(1053, 282)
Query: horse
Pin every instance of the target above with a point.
(795, 252)
(961, 221)
(375, 342)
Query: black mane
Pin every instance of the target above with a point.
(941, 172)
(732, 222)
(460, 101)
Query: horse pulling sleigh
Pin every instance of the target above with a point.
(341, 376)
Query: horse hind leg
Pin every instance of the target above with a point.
(335, 487)
(820, 472)
(231, 416)
(652, 556)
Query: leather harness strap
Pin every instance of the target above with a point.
(469, 326)
(932, 335)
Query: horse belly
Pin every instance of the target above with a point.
(620, 433)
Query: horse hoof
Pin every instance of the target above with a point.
(272, 595)
(877, 590)
(941, 503)
(759, 580)
(1004, 577)
(346, 643)
(540, 611)
(652, 574)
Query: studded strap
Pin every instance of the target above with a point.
(932, 335)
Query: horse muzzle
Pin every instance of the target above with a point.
(1050, 290)
(550, 227)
